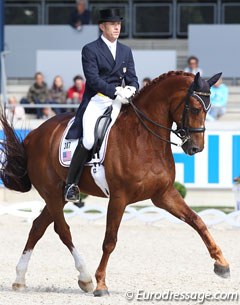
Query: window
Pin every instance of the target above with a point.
(22, 13)
(152, 20)
(194, 14)
(231, 13)
(59, 13)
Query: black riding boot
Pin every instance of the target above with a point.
(72, 192)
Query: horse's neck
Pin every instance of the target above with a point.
(155, 106)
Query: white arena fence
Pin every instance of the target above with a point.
(148, 215)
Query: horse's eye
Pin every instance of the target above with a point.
(195, 110)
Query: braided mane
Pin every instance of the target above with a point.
(161, 78)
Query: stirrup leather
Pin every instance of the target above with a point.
(72, 193)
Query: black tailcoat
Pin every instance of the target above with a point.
(103, 74)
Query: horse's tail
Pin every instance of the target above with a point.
(13, 161)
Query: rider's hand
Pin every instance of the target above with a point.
(119, 91)
(120, 95)
(128, 91)
(124, 94)
(121, 99)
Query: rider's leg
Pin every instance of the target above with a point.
(72, 192)
(94, 110)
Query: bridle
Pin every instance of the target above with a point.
(183, 132)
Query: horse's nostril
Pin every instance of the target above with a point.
(195, 149)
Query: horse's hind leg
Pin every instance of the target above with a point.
(39, 226)
(63, 230)
(173, 203)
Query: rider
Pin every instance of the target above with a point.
(110, 74)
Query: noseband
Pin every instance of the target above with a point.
(183, 132)
(184, 129)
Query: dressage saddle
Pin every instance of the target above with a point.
(100, 130)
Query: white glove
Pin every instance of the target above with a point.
(120, 96)
(125, 92)
(128, 91)
(119, 91)
(121, 100)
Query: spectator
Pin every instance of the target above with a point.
(80, 15)
(57, 94)
(146, 81)
(15, 112)
(219, 97)
(193, 66)
(75, 93)
(37, 94)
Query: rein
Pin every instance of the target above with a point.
(184, 132)
(143, 117)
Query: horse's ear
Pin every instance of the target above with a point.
(198, 80)
(214, 79)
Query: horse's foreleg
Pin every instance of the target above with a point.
(63, 230)
(39, 226)
(173, 203)
(115, 212)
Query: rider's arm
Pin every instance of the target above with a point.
(91, 71)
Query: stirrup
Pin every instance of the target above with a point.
(72, 193)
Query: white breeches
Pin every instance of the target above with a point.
(96, 107)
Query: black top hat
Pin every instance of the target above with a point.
(110, 15)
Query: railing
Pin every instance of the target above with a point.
(141, 18)
(149, 215)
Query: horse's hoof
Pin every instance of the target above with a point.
(100, 293)
(222, 271)
(18, 286)
(86, 286)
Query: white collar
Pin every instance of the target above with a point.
(109, 43)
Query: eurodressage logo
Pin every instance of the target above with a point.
(200, 297)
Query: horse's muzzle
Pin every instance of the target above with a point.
(191, 149)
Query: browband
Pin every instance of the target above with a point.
(202, 93)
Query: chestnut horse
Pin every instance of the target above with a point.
(139, 165)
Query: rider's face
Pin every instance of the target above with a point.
(111, 30)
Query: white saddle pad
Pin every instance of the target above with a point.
(67, 147)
